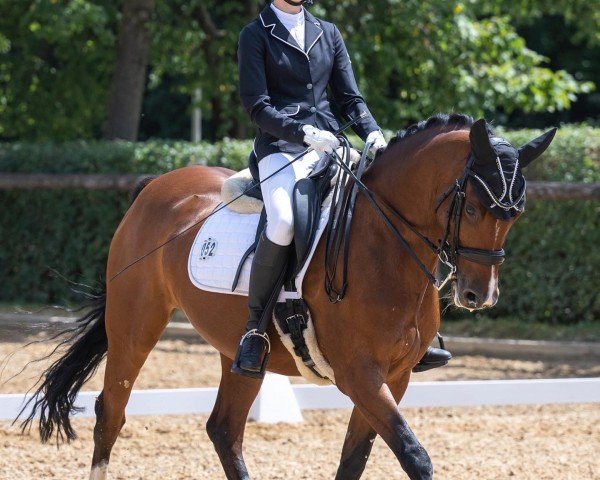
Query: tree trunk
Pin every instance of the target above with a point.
(129, 76)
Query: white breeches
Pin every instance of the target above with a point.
(277, 192)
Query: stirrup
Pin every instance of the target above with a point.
(236, 368)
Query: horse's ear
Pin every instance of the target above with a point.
(530, 151)
(480, 142)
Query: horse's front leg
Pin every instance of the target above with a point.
(361, 435)
(364, 383)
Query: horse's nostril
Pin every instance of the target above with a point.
(471, 297)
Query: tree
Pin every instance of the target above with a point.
(129, 74)
(55, 61)
(412, 58)
(197, 41)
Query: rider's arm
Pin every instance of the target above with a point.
(345, 90)
(254, 93)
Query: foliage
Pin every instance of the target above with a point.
(55, 64)
(70, 231)
(438, 55)
(573, 156)
(551, 262)
(582, 14)
(119, 157)
(545, 278)
(484, 326)
(412, 58)
(197, 41)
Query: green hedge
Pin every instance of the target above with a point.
(548, 275)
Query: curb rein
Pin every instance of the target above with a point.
(447, 252)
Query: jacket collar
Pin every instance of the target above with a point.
(312, 29)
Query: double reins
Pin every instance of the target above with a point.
(447, 252)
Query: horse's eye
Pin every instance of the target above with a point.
(470, 209)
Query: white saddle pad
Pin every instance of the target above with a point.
(220, 244)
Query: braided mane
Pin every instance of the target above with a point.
(439, 119)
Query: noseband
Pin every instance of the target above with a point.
(448, 249)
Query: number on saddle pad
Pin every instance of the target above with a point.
(208, 248)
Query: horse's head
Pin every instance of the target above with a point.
(479, 221)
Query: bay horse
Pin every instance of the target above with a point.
(372, 339)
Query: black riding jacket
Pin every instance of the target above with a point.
(283, 87)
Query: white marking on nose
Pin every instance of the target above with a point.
(457, 299)
(492, 284)
(496, 233)
(99, 471)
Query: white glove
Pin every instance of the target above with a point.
(321, 141)
(378, 141)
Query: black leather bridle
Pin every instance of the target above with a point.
(448, 249)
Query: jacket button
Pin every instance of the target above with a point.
(313, 109)
(309, 86)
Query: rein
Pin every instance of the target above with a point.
(447, 252)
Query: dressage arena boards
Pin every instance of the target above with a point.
(467, 443)
(278, 401)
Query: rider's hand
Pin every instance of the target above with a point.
(378, 141)
(321, 141)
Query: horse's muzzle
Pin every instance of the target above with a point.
(473, 298)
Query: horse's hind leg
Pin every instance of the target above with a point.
(360, 437)
(227, 421)
(134, 324)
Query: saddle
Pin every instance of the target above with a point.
(308, 197)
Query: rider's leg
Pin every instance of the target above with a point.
(270, 258)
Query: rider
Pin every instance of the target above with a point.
(287, 58)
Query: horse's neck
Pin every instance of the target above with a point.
(410, 178)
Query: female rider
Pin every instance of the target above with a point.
(287, 59)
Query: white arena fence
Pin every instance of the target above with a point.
(280, 401)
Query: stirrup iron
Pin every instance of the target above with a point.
(440, 362)
(236, 368)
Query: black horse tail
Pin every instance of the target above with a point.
(86, 345)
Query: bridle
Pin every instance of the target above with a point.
(448, 249)
(449, 252)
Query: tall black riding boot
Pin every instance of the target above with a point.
(266, 278)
